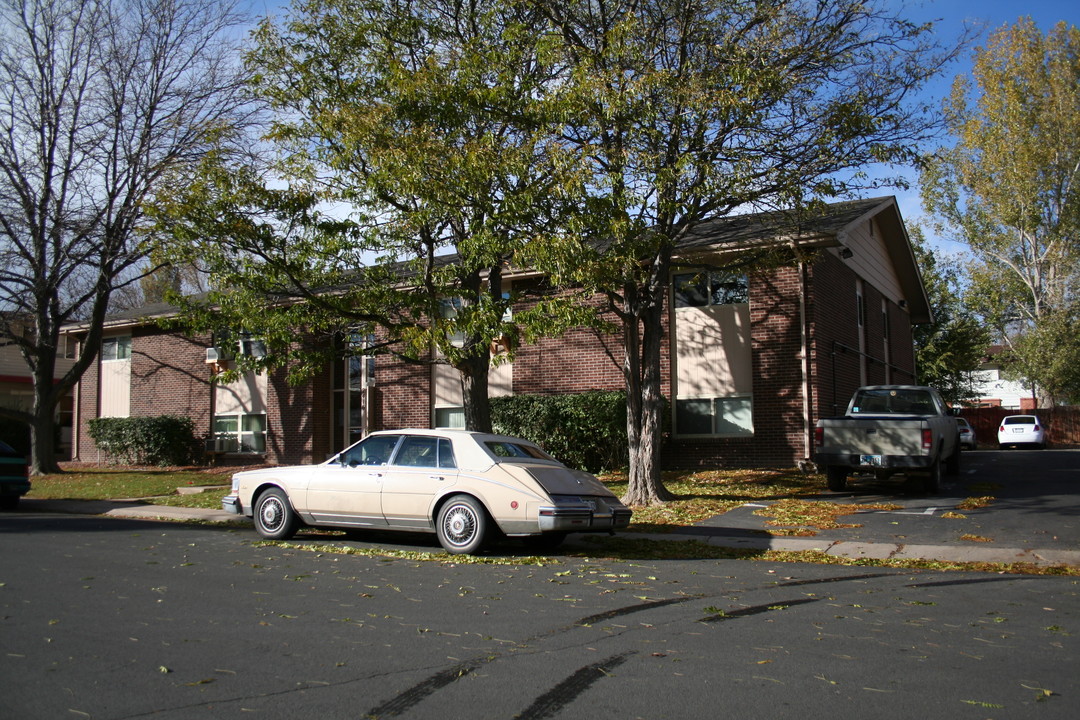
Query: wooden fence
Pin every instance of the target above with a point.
(1062, 424)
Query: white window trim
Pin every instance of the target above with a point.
(117, 341)
(738, 396)
(237, 436)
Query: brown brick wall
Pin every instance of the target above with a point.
(169, 375)
(403, 394)
(776, 346)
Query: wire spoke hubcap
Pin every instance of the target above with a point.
(272, 513)
(460, 525)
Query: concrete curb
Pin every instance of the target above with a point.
(877, 551)
(136, 510)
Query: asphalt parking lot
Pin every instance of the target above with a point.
(1029, 502)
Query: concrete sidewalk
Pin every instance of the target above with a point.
(717, 536)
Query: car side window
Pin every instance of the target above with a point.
(375, 450)
(446, 455)
(418, 452)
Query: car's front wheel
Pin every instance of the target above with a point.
(462, 525)
(274, 517)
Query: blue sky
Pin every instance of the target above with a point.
(950, 18)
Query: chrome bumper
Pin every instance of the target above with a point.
(231, 504)
(583, 518)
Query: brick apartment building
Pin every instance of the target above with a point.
(750, 362)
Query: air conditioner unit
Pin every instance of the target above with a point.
(220, 445)
(212, 355)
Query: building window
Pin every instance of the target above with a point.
(710, 288)
(230, 344)
(240, 433)
(715, 416)
(452, 418)
(116, 348)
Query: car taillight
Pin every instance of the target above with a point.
(1036, 428)
(1001, 429)
(819, 437)
(927, 438)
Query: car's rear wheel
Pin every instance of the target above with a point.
(836, 478)
(274, 517)
(462, 525)
(953, 465)
(932, 481)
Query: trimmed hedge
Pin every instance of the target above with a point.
(584, 430)
(160, 440)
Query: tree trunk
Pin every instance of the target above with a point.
(43, 444)
(474, 390)
(642, 336)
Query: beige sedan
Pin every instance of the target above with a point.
(463, 486)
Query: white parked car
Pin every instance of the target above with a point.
(461, 485)
(1021, 430)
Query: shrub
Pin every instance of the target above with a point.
(160, 440)
(584, 430)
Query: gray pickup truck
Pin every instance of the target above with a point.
(889, 429)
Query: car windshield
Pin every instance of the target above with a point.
(512, 450)
(1020, 420)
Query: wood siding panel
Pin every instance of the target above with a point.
(245, 396)
(871, 261)
(115, 388)
(713, 351)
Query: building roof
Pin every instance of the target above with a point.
(828, 226)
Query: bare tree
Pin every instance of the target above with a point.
(102, 102)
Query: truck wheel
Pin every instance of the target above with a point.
(836, 478)
(953, 465)
(932, 482)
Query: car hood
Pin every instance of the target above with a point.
(565, 481)
(287, 471)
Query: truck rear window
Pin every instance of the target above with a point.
(892, 401)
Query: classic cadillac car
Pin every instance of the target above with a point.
(463, 486)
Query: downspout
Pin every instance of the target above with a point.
(76, 420)
(804, 332)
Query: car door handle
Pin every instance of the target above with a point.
(440, 478)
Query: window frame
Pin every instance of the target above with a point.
(236, 435)
(708, 285)
(716, 417)
(121, 345)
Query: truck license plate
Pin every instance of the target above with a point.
(872, 460)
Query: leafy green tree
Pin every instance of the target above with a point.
(428, 125)
(1010, 190)
(685, 111)
(949, 349)
(101, 103)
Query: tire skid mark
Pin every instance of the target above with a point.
(843, 578)
(423, 689)
(554, 700)
(972, 581)
(757, 609)
(631, 609)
